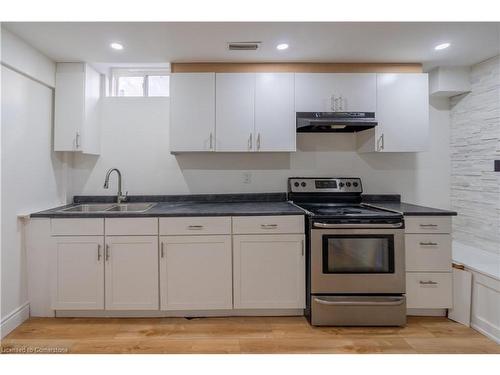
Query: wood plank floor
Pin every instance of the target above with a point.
(240, 335)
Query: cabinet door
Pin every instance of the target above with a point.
(192, 112)
(69, 106)
(132, 273)
(195, 272)
(274, 112)
(78, 273)
(314, 92)
(235, 105)
(402, 112)
(269, 271)
(91, 131)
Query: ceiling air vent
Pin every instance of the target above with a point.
(243, 46)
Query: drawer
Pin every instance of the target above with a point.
(429, 290)
(428, 224)
(268, 224)
(77, 227)
(428, 252)
(132, 226)
(171, 226)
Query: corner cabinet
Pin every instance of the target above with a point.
(232, 112)
(192, 112)
(77, 108)
(402, 114)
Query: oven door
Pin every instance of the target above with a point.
(357, 260)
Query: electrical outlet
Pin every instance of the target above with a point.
(247, 178)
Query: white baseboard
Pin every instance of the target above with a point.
(14, 319)
(487, 332)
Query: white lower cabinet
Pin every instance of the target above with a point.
(131, 273)
(269, 271)
(430, 290)
(196, 272)
(428, 262)
(78, 274)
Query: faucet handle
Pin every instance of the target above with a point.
(125, 197)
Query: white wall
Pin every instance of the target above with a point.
(32, 176)
(21, 56)
(135, 140)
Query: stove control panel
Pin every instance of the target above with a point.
(324, 185)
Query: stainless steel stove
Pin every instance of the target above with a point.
(355, 255)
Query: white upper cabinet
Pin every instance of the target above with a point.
(274, 112)
(232, 112)
(335, 92)
(235, 110)
(402, 114)
(77, 115)
(192, 112)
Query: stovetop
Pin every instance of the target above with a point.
(337, 199)
(332, 210)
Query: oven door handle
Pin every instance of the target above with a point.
(394, 302)
(350, 226)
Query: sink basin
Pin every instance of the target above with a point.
(131, 207)
(97, 207)
(109, 207)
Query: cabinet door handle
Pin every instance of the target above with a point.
(77, 139)
(269, 226)
(211, 141)
(428, 225)
(195, 227)
(380, 142)
(258, 141)
(162, 252)
(99, 256)
(107, 252)
(303, 245)
(250, 143)
(429, 282)
(428, 243)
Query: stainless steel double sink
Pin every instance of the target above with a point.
(109, 207)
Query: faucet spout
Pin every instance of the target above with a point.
(119, 196)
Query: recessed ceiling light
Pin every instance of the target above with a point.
(282, 46)
(117, 46)
(442, 46)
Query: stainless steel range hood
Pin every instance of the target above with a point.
(334, 122)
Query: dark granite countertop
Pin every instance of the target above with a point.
(409, 209)
(199, 205)
(229, 205)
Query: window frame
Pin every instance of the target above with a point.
(117, 73)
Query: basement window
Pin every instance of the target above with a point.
(140, 82)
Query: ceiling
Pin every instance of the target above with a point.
(159, 42)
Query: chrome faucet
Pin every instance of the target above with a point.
(119, 196)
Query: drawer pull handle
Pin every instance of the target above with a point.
(429, 282)
(195, 227)
(428, 225)
(428, 244)
(269, 226)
